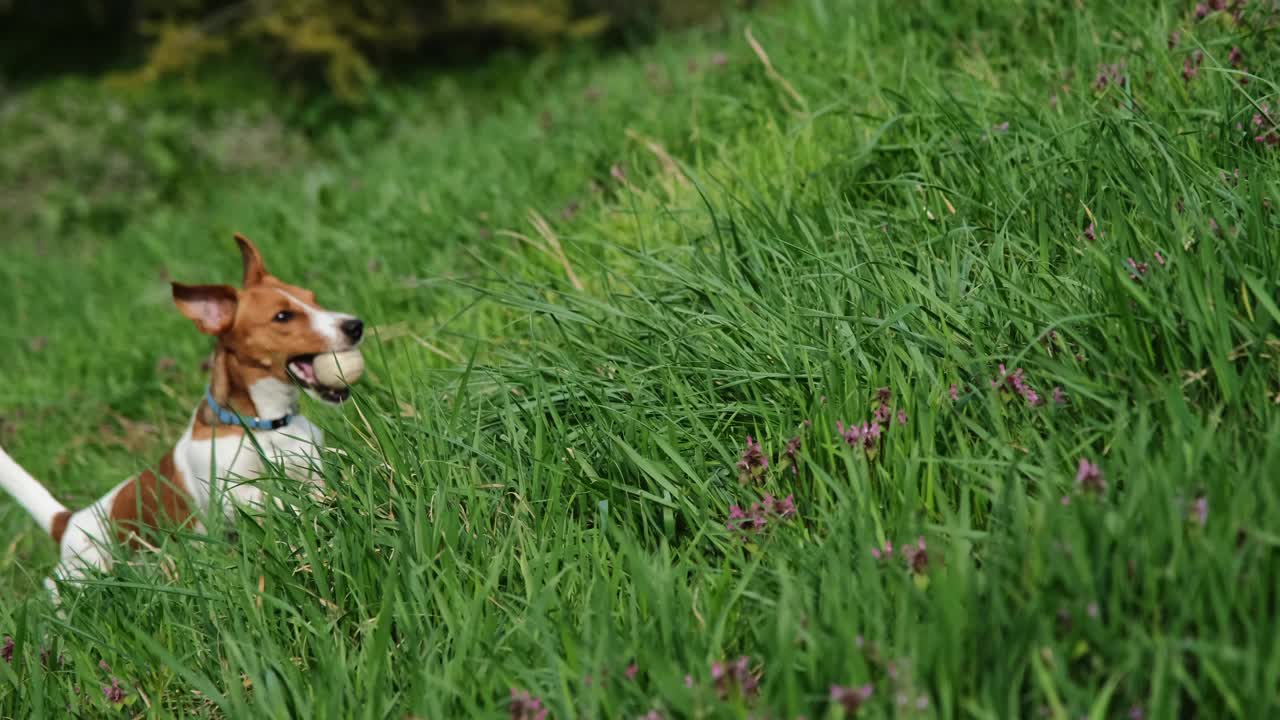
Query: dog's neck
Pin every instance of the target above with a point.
(247, 390)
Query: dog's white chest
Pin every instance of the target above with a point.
(224, 471)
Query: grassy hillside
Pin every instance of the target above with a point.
(990, 284)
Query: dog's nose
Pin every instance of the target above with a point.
(353, 329)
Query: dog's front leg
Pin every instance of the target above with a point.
(83, 550)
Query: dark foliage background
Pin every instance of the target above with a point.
(344, 43)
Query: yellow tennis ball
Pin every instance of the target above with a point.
(339, 370)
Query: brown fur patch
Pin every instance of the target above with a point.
(261, 346)
(149, 501)
(59, 526)
(230, 388)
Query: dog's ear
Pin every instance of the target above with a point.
(211, 307)
(254, 270)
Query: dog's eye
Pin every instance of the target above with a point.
(283, 316)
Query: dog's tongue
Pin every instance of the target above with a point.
(303, 371)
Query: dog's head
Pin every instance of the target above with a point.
(270, 328)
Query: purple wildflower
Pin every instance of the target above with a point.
(784, 508)
(651, 715)
(719, 59)
(850, 698)
(1059, 397)
(1092, 610)
(916, 557)
(6, 649)
(922, 702)
(1260, 119)
(791, 452)
(1200, 510)
(113, 692)
(954, 392)
(1000, 129)
(1190, 70)
(870, 435)
(1265, 122)
(884, 554)
(688, 680)
(1136, 713)
(735, 514)
(617, 173)
(867, 435)
(882, 413)
(1175, 37)
(1016, 382)
(1235, 57)
(1110, 74)
(1091, 232)
(1066, 500)
(1159, 258)
(760, 515)
(1089, 477)
(884, 394)
(736, 675)
(753, 463)
(631, 671)
(105, 667)
(1137, 269)
(1202, 11)
(526, 707)
(902, 416)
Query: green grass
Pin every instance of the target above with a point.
(536, 477)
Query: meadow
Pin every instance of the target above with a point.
(876, 359)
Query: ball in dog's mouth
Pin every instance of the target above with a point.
(302, 369)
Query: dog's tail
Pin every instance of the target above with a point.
(48, 512)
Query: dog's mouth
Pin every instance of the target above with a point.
(302, 369)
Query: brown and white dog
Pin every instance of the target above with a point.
(267, 335)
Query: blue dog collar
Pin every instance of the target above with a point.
(230, 417)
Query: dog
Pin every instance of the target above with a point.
(267, 335)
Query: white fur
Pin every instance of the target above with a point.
(220, 472)
(85, 543)
(328, 324)
(217, 474)
(274, 398)
(28, 492)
